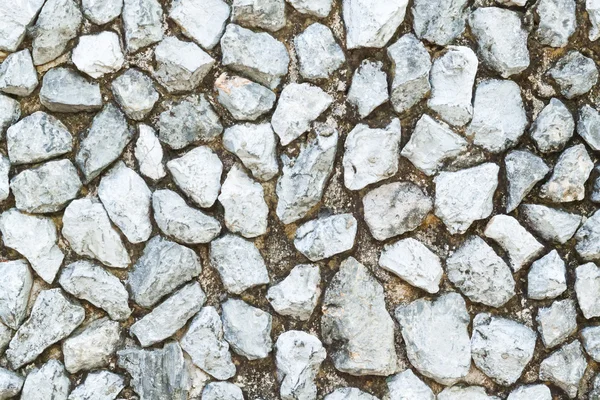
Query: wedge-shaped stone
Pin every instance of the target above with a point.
(297, 295)
(99, 385)
(49, 381)
(18, 75)
(547, 277)
(588, 238)
(15, 288)
(550, 223)
(523, 171)
(201, 20)
(244, 99)
(565, 368)
(371, 23)
(571, 171)
(406, 385)
(255, 146)
(247, 329)
(15, 18)
(575, 74)
(59, 21)
(149, 153)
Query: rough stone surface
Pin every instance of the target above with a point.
(135, 93)
(142, 23)
(369, 87)
(255, 146)
(318, 53)
(529, 392)
(10, 383)
(565, 368)
(406, 386)
(316, 8)
(588, 238)
(93, 346)
(59, 21)
(222, 390)
(553, 127)
(16, 17)
(14, 292)
(551, 224)
(591, 341)
(349, 393)
(547, 277)
(325, 237)
(571, 171)
(587, 286)
(49, 381)
(575, 74)
(439, 21)
(557, 22)
(10, 112)
(64, 90)
(149, 153)
(371, 23)
(588, 126)
(244, 99)
(465, 393)
(297, 295)
(203, 21)
(99, 54)
(100, 385)
(523, 171)
(18, 75)
(557, 322)
(101, 12)
(247, 329)
(262, 14)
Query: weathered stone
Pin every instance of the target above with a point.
(574, 74)
(98, 54)
(553, 127)
(316, 8)
(588, 125)
(101, 12)
(369, 87)
(10, 383)
(201, 20)
(531, 392)
(99, 385)
(15, 18)
(255, 146)
(439, 21)
(10, 112)
(594, 393)
(244, 99)
(591, 341)
(565, 368)
(262, 14)
(318, 53)
(407, 386)
(323, 238)
(592, 7)
(93, 346)
(571, 171)
(557, 322)
(349, 393)
(4, 171)
(371, 23)
(135, 93)
(523, 171)
(465, 393)
(587, 288)
(549, 223)
(64, 90)
(588, 238)
(547, 277)
(142, 23)
(50, 381)
(557, 22)
(297, 295)
(58, 22)
(247, 329)
(222, 391)
(149, 153)
(17, 74)
(14, 292)
(5, 336)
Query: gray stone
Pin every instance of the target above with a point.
(255, 146)
(439, 21)
(371, 23)
(323, 238)
(592, 7)
(595, 389)
(262, 14)
(14, 292)
(17, 74)
(591, 341)
(64, 90)
(98, 54)
(557, 22)
(37, 137)
(547, 277)
(92, 346)
(565, 368)
(149, 153)
(319, 55)
(101, 12)
(35, 238)
(557, 322)
(356, 320)
(4, 184)
(47, 188)
(10, 383)
(88, 230)
(244, 99)
(15, 18)
(588, 126)
(88, 281)
(59, 21)
(222, 391)
(10, 112)
(426, 326)
(259, 56)
(349, 393)
(201, 20)
(588, 238)
(247, 329)
(297, 295)
(480, 274)
(142, 23)
(369, 87)
(574, 74)
(531, 392)
(553, 127)
(49, 381)
(550, 224)
(99, 385)
(135, 93)
(5, 336)
(316, 8)
(523, 171)
(465, 393)
(407, 386)
(571, 171)
(465, 196)
(587, 288)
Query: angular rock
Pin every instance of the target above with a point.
(523, 171)
(323, 238)
(50, 381)
(574, 74)
(10, 112)
(263, 14)
(369, 87)
(255, 146)
(297, 295)
(318, 53)
(571, 171)
(101, 12)
(98, 54)
(221, 391)
(15, 18)
(565, 368)
(530, 392)
(244, 99)
(316, 8)
(4, 184)
(371, 23)
(88, 230)
(349, 393)
(64, 90)
(99, 385)
(465, 393)
(17, 74)
(439, 21)
(588, 238)
(547, 277)
(247, 329)
(478, 272)
(592, 7)
(58, 22)
(587, 288)
(549, 223)
(135, 93)
(142, 23)
(149, 153)
(203, 21)
(591, 341)
(557, 322)
(15, 288)
(557, 22)
(5, 336)
(93, 346)
(364, 339)
(10, 383)
(406, 386)
(553, 127)
(588, 126)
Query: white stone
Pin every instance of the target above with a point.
(369, 87)
(98, 54)
(99, 385)
(222, 391)
(101, 12)
(588, 238)
(547, 277)
(142, 22)
(553, 127)
(588, 126)
(531, 392)
(297, 295)
(135, 93)
(15, 288)
(372, 23)
(4, 183)
(256, 146)
(149, 153)
(10, 383)
(64, 90)
(523, 171)
(93, 346)
(587, 288)
(201, 20)
(407, 386)
(17, 74)
(590, 337)
(323, 238)
(316, 8)
(49, 381)
(571, 171)
(319, 55)
(349, 393)
(557, 322)
(592, 7)
(565, 368)
(574, 74)
(549, 223)
(247, 329)
(439, 21)
(465, 393)
(15, 18)
(58, 22)
(10, 112)
(557, 22)
(262, 14)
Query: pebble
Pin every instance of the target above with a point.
(439, 21)
(15, 19)
(369, 88)
(523, 171)
(10, 112)
(10, 383)
(407, 386)
(588, 238)
(318, 53)
(93, 346)
(557, 322)
(17, 74)
(587, 287)
(135, 93)
(298, 293)
(590, 337)
(64, 90)
(588, 126)
(99, 385)
(557, 22)
(565, 368)
(531, 392)
(553, 127)
(15, 288)
(49, 381)
(316, 8)
(245, 100)
(98, 54)
(550, 224)
(574, 74)
(58, 22)
(371, 23)
(547, 277)
(203, 21)
(571, 171)
(101, 12)
(142, 23)
(247, 329)
(262, 14)
(149, 153)
(325, 237)
(256, 147)
(222, 391)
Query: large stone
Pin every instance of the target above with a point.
(10, 383)
(565, 368)
(101, 12)
(10, 112)
(574, 74)
(587, 288)
(262, 14)
(99, 385)
(407, 386)
(297, 295)
(135, 93)
(323, 238)
(319, 55)
(371, 23)
(550, 224)
(142, 23)
(369, 87)
(98, 54)
(64, 90)
(523, 171)
(49, 381)
(588, 238)
(15, 18)
(247, 329)
(590, 337)
(256, 146)
(18, 75)
(15, 288)
(439, 21)
(149, 153)
(93, 346)
(201, 20)
(4, 171)
(571, 171)
(547, 277)
(244, 99)
(553, 127)
(557, 22)
(557, 322)
(59, 21)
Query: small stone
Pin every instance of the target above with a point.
(553, 127)
(198, 174)
(135, 93)
(189, 121)
(203, 21)
(53, 318)
(88, 281)
(37, 137)
(587, 288)
(15, 18)
(93, 346)
(64, 90)
(547, 277)
(17, 74)
(588, 125)
(101, 12)
(98, 54)
(10, 112)
(323, 238)
(588, 238)
(88, 230)
(318, 53)
(407, 386)
(477, 271)
(35, 238)
(244, 99)
(182, 222)
(299, 105)
(465, 393)
(104, 142)
(99, 385)
(262, 14)
(557, 322)
(412, 261)
(501, 39)
(5, 336)
(591, 341)
(427, 158)
(222, 391)
(169, 316)
(298, 359)
(364, 340)
(371, 155)
(205, 344)
(47, 188)
(59, 21)
(426, 326)
(297, 295)
(258, 55)
(163, 267)
(247, 329)
(531, 392)
(303, 179)
(592, 7)
(349, 393)
(557, 22)
(50, 381)
(4, 184)
(571, 171)
(594, 393)
(520, 245)
(369, 87)
(142, 23)
(465, 196)
(574, 74)
(371, 23)
(523, 171)
(149, 153)
(10, 384)
(439, 21)
(499, 118)
(565, 368)
(316, 8)
(452, 77)
(549, 223)
(14, 292)
(255, 146)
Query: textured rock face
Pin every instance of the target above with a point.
(439, 21)
(550, 223)
(557, 22)
(142, 23)
(369, 87)
(101, 12)
(58, 22)
(523, 171)
(570, 173)
(100, 54)
(10, 383)
(371, 23)
(587, 238)
(297, 295)
(565, 368)
(255, 146)
(64, 90)
(557, 322)
(135, 93)
(103, 385)
(247, 329)
(406, 385)
(547, 277)
(318, 53)
(574, 74)
(18, 75)
(46, 382)
(325, 237)
(10, 111)
(587, 284)
(93, 346)
(553, 127)
(263, 14)
(16, 18)
(203, 21)
(149, 153)
(14, 292)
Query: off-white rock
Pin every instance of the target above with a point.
(297, 295)
(575, 74)
(590, 337)
(142, 22)
(244, 99)
(101, 12)
(222, 390)
(349, 393)
(465, 393)
(529, 392)
(15, 18)
(318, 53)
(135, 93)
(10, 112)
(588, 238)
(247, 329)
(203, 21)
(256, 146)
(316, 8)
(557, 22)
(588, 126)
(565, 368)
(439, 21)
(557, 322)
(547, 277)
(369, 87)
(64, 90)
(587, 288)
(550, 223)
(571, 171)
(15, 288)
(17, 74)
(263, 14)
(10, 383)
(407, 386)
(49, 381)
(553, 127)
(149, 153)
(100, 385)
(523, 171)
(4, 183)
(93, 346)
(592, 7)
(99, 54)
(325, 237)
(59, 21)
(371, 23)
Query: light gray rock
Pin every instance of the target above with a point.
(371, 155)
(169, 316)
(465, 393)
(259, 56)
(349, 393)
(501, 39)
(5, 336)
(571, 171)
(244, 99)
(587, 288)
(323, 238)
(588, 125)
(104, 142)
(588, 238)
(37, 137)
(465, 196)
(565, 368)
(523, 171)
(371, 23)
(412, 261)
(182, 222)
(364, 340)
(222, 391)
(319, 55)
(189, 121)
(452, 77)
(557, 22)
(64, 90)
(549, 223)
(427, 157)
(557, 322)
(92, 346)
(247, 329)
(499, 117)
(299, 105)
(4, 183)
(88, 281)
(531, 392)
(47, 188)
(15, 18)
(303, 179)
(594, 393)
(547, 277)
(15, 288)
(256, 146)
(35, 238)
(298, 357)
(10, 383)
(574, 74)
(99, 385)
(10, 112)
(163, 267)
(49, 381)
(17, 74)
(142, 23)
(480, 274)
(439, 21)
(553, 127)
(198, 174)
(53, 318)
(263, 14)
(426, 326)
(88, 230)
(369, 87)
(149, 153)
(297, 295)
(98, 54)
(407, 386)
(592, 7)
(591, 341)
(135, 93)
(59, 21)
(316, 8)
(203, 21)
(101, 12)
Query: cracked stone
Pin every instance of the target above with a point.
(135, 93)
(247, 329)
(297, 295)
(262, 14)
(557, 322)
(318, 53)
(256, 146)
(574, 74)
(523, 171)
(565, 368)
(142, 23)
(17, 74)
(323, 238)
(14, 292)
(371, 23)
(49, 381)
(59, 21)
(244, 99)
(149, 153)
(93, 346)
(547, 277)
(553, 127)
(98, 54)
(203, 21)
(549, 223)
(64, 90)
(571, 171)
(369, 87)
